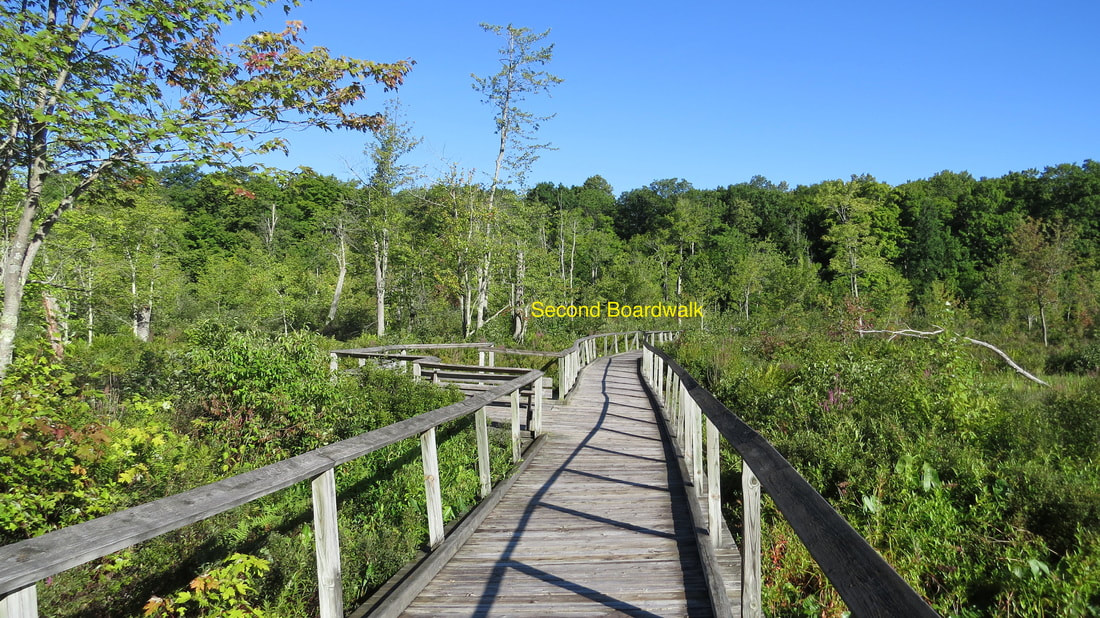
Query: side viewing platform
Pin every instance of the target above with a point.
(613, 507)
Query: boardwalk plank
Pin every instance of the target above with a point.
(598, 524)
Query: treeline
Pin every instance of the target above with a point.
(157, 251)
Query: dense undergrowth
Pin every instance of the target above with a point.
(120, 423)
(980, 488)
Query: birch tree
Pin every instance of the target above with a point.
(383, 212)
(521, 75)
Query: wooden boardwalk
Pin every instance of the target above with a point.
(598, 524)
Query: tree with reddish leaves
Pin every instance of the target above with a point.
(91, 87)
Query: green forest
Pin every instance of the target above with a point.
(166, 323)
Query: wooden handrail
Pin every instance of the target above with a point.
(28, 561)
(866, 582)
(24, 563)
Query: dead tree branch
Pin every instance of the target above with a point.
(908, 332)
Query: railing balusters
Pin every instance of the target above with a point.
(481, 424)
(697, 446)
(433, 498)
(536, 423)
(681, 414)
(327, 542)
(714, 483)
(750, 557)
(516, 451)
(20, 604)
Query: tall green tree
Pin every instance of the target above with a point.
(863, 233)
(89, 87)
(1046, 253)
(382, 213)
(521, 75)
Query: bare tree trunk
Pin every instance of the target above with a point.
(268, 227)
(483, 289)
(141, 313)
(465, 302)
(572, 258)
(1043, 319)
(561, 246)
(341, 255)
(854, 278)
(519, 303)
(143, 318)
(87, 283)
(381, 272)
(9, 318)
(57, 342)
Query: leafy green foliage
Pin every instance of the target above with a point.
(978, 493)
(62, 463)
(224, 591)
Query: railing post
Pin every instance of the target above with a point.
(566, 378)
(333, 363)
(569, 371)
(659, 380)
(682, 419)
(515, 426)
(327, 540)
(750, 559)
(433, 498)
(616, 343)
(416, 371)
(669, 383)
(481, 422)
(697, 445)
(536, 422)
(22, 603)
(714, 484)
(655, 378)
(492, 358)
(688, 435)
(605, 345)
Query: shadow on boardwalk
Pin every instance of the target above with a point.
(598, 524)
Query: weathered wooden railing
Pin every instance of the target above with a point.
(25, 563)
(570, 361)
(866, 582)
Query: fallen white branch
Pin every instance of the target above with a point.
(908, 332)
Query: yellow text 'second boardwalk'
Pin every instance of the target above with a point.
(611, 309)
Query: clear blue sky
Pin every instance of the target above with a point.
(716, 92)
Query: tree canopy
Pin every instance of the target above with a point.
(90, 87)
